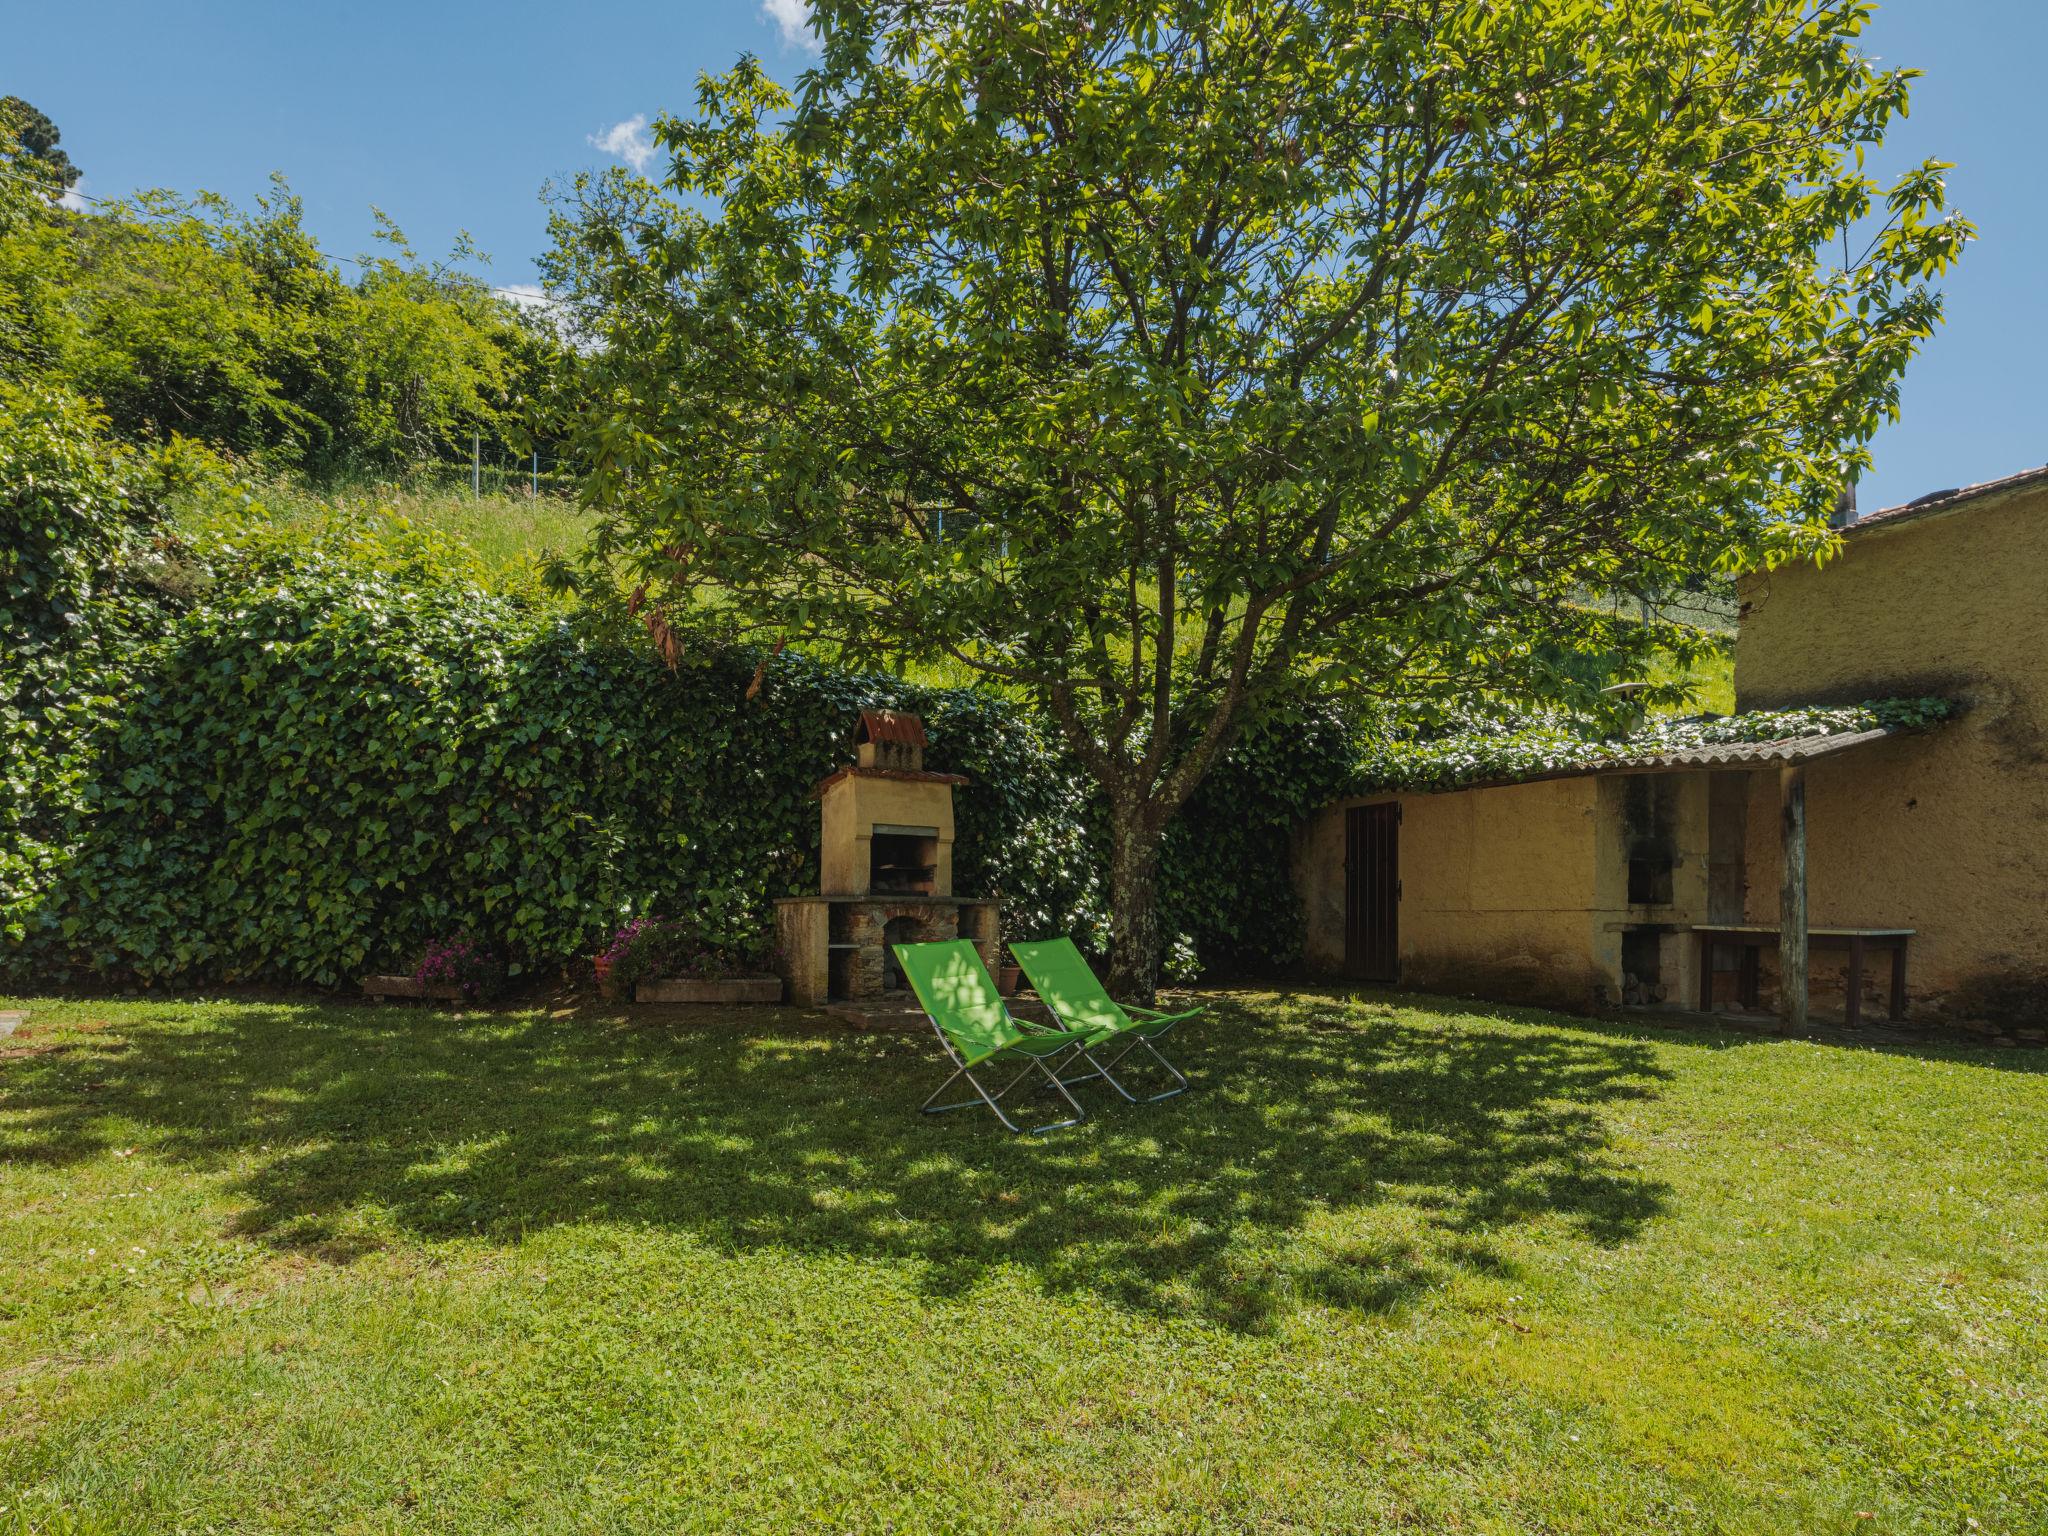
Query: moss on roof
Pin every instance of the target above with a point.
(1513, 751)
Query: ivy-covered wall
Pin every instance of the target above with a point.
(318, 766)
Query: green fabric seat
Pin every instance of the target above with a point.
(1065, 984)
(968, 1014)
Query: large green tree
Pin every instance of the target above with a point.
(1158, 358)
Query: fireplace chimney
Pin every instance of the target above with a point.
(1845, 507)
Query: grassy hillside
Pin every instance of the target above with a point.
(505, 533)
(501, 535)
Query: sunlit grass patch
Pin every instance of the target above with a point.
(1394, 1262)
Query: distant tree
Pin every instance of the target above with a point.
(39, 137)
(188, 316)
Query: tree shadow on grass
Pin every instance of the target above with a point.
(1338, 1151)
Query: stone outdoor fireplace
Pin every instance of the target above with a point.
(885, 866)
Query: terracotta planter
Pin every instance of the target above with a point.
(734, 989)
(1009, 978)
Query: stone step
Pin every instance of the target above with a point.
(883, 1016)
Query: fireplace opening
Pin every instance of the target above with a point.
(903, 861)
(898, 930)
(1643, 982)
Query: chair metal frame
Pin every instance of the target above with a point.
(992, 1100)
(1181, 1083)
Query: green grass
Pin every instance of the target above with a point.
(1394, 1264)
(1711, 678)
(500, 537)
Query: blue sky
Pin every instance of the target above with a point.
(450, 115)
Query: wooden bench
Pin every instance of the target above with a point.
(1753, 938)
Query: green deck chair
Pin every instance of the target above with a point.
(967, 1013)
(1083, 1006)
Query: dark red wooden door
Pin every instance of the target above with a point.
(1372, 892)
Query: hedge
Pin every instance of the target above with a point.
(320, 766)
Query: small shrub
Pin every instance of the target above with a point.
(474, 972)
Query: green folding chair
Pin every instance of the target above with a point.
(1066, 985)
(967, 1013)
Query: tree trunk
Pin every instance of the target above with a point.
(1134, 907)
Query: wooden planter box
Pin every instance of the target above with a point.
(738, 989)
(405, 986)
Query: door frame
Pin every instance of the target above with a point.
(1372, 891)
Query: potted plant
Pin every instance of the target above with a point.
(459, 968)
(673, 960)
(455, 970)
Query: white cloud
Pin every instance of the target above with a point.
(792, 19)
(73, 198)
(627, 140)
(555, 313)
(527, 295)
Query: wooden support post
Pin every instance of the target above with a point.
(1852, 1015)
(1792, 897)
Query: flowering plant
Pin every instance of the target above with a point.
(658, 948)
(472, 970)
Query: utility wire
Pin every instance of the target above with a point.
(517, 295)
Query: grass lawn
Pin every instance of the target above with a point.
(1394, 1264)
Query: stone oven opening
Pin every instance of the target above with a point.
(903, 861)
(898, 930)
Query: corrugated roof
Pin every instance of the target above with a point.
(1943, 501)
(1727, 754)
(1743, 754)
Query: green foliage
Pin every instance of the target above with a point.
(496, 541)
(40, 138)
(1226, 869)
(669, 948)
(1515, 750)
(84, 574)
(1164, 363)
(328, 760)
(473, 971)
(188, 316)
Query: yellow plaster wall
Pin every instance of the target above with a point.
(1946, 833)
(1518, 892)
(854, 805)
(1498, 891)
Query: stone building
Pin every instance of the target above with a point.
(1600, 885)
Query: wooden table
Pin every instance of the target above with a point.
(1754, 938)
